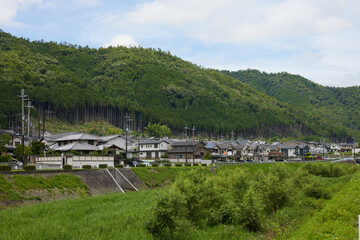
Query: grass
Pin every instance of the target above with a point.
(338, 219)
(112, 216)
(18, 188)
(124, 216)
(155, 177)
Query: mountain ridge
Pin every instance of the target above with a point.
(77, 83)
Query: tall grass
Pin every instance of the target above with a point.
(113, 216)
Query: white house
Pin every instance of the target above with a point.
(153, 148)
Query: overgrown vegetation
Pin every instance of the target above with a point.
(155, 177)
(262, 202)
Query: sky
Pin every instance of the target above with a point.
(317, 39)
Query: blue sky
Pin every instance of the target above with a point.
(318, 39)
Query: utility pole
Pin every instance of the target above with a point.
(324, 150)
(127, 120)
(232, 135)
(186, 128)
(193, 130)
(138, 148)
(23, 99)
(28, 119)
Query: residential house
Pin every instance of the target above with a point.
(14, 141)
(117, 144)
(187, 150)
(153, 148)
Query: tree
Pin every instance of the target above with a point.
(157, 130)
(37, 147)
(4, 139)
(18, 151)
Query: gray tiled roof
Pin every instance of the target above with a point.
(77, 146)
(77, 136)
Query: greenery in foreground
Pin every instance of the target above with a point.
(272, 203)
(202, 205)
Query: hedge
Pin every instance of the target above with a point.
(67, 166)
(102, 165)
(167, 164)
(178, 164)
(155, 165)
(195, 164)
(4, 167)
(187, 164)
(119, 166)
(29, 167)
(142, 165)
(86, 166)
(204, 164)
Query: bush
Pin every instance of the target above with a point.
(5, 158)
(102, 165)
(195, 164)
(167, 164)
(142, 165)
(204, 164)
(155, 165)
(4, 167)
(119, 166)
(86, 166)
(29, 167)
(165, 155)
(178, 164)
(67, 166)
(187, 164)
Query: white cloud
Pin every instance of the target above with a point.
(122, 40)
(9, 9)
(234, 21)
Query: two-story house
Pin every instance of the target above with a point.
(153, 148)
(189, 150)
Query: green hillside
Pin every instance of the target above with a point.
(336, 104)
(74, 84)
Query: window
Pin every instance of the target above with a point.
(156, 145)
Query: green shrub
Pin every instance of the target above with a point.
(142, 165)
(5, 158)
(167, 164)
(102, 165)
(67, 166)
(29, 167)
(155, 164)
(195, 164)
(165, 155)
(86, 166)
(4, 167)
(178, 165)
(207, 156)
(119, 166)
(204, 164)
(187, 164)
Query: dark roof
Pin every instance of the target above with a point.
(188, 143)
(8, 132)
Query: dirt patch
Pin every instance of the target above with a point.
(153, 170)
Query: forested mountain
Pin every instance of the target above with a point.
(339, 105)
(75, 83)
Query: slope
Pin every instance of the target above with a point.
(77, 83)
(336, 104)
